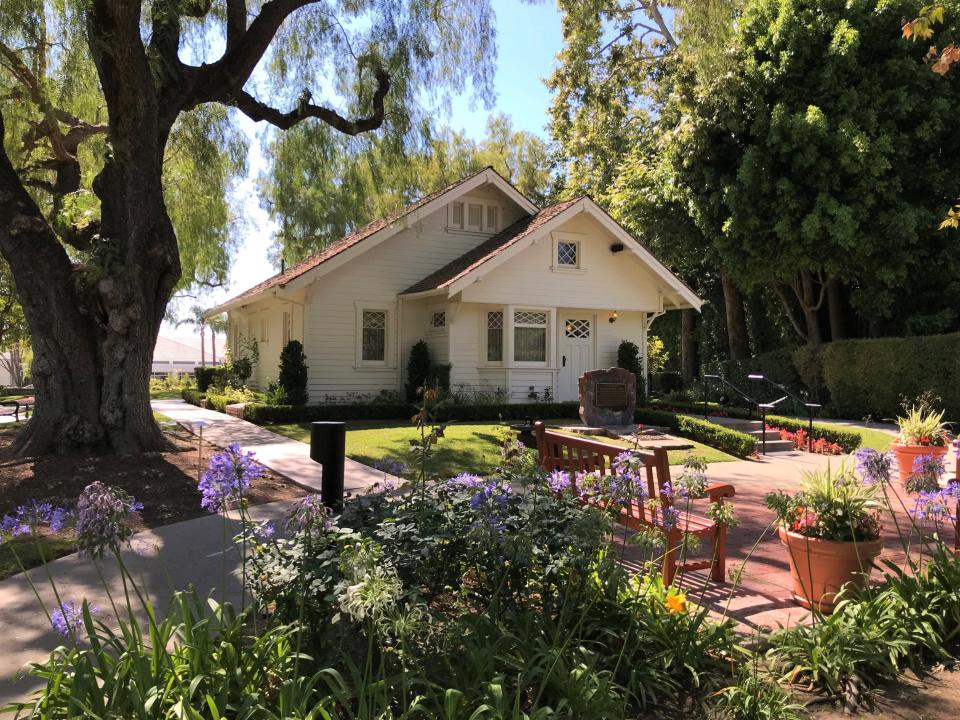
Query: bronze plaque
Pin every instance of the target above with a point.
(610, 395)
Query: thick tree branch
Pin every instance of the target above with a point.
(652, 9)
(236, 22)
(256, 110)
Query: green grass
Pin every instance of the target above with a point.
(165, 395)
(876, 439)
(29, 554)
(465, 447)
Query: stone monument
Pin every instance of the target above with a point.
(608, 397)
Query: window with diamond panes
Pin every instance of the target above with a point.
(577, 328)
(529, 336)
(374, 335)
(495, 336)
(438, 320)
(568, 254)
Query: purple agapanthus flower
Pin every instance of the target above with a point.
(67, 618)
(935, 506)
(228, 477)
(669, 516)
(874, 467)
(13, 526)
(390, 466)
(103, 515)
(307, 514)
(465, 481)
(265, 530)
(558, 481)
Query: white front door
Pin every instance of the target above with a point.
(576, 353)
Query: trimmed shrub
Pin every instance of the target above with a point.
(292, 378)
(511, 411)
(204, 376)
(667, 382)
(846, 439)
(869, 377)
(418, 369)
(628, 358)
(716, 436)
(262, 413)
(192, 396)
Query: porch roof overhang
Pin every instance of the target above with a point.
(474, 264)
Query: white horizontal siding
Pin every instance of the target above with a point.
(379, 275)
(607, 281)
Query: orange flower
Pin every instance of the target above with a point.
(676, 603)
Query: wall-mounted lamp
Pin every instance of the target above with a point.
(569, 327)
(616, 247)
(613, 318)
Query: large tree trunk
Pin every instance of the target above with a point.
(811, 308)
(94, 326)
(688, 346)
(737, 337)
(835, 307)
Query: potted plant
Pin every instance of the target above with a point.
(922, 434)
(831, 530)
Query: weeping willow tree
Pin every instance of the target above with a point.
(118, 151)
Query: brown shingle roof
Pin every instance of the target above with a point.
(456, 269)
(337, 247)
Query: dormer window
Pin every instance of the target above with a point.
(478, 217)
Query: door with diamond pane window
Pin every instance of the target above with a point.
(576, 354)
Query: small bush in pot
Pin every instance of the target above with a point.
(831, 530)
(922, 434)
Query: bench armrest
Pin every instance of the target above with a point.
(717, 491)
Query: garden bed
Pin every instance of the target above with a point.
(165, 482)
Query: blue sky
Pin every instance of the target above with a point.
(528, 38)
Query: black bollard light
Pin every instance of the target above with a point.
(328, 441)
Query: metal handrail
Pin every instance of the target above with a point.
(730, 385)
(808, 405)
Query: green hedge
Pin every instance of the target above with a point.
(729, 441)
(192, 396)
(509, 411)
(691, 408)
(846, 439)
(261, 413)
(857, 378)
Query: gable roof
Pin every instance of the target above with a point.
(334, 249)
(472, 259)
(455, 275)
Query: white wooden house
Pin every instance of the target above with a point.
(514, 297)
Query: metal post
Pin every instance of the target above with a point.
(810, 431)
(763, 423)
(705, 386)
(328, 441)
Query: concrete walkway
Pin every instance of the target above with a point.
(173, 557)
(290, 458)
(164, 559)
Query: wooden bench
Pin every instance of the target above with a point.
(574, 455)
(10, 407)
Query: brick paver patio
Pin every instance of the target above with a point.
(763, 597)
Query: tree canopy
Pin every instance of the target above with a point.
(320, 185)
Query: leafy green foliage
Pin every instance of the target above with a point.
(418, 370)
(716, 436)
(293, 373)
(323, 185)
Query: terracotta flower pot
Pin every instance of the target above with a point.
(907, 454)
(819, 568)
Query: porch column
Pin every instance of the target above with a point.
(643, 355)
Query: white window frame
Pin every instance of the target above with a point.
(464, 224)
(388, 339)
(431, 310)
(287, 327)
(562, 237)
(452, 223)
(484, 346)
(264, 330)
(549, 333)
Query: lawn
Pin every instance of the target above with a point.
(465, 447)
(876, 439)
(50, 548)
(165, 394)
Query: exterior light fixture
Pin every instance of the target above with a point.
(613, 318)
(616, 248)
(755, 376)
(569, 327)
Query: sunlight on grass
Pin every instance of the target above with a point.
(29, 554)
(165, 394)
(466, 447)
